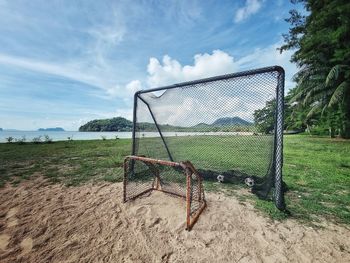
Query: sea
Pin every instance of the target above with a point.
(76, 135)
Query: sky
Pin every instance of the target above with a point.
(64, 63)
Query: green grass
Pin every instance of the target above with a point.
(69, 162)
(316, 170)
(251, 153)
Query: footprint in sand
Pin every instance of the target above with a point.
(12, 212)
(26, 245)
(11, 217)
(12, 222)
(4, 240)
(142, 211)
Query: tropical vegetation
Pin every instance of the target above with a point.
(321, 40)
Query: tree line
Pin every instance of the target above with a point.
(321, 40)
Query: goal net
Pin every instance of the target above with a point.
(230, 127)
(142, 175)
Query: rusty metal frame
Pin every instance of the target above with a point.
(189, 171)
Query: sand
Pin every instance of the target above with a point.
(40, 222)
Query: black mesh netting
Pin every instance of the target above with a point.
(228, 126)
(142, 175)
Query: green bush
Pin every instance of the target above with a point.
(10, 139)
(22, 140)
(47, 139)
(37, 140)
(319, 131)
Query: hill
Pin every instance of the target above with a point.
(123, 125)
(115, 124)
(227, 121)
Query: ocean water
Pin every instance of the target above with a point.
(75, 135)
(61, 135)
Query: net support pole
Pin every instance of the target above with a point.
(133, 151)
(278, 147)
(158, 129)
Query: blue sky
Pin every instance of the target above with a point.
(63, 63)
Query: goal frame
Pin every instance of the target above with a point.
(277, 161)
(188, 170)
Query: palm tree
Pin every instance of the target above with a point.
(326, 91)
(338, 81)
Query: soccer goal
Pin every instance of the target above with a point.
(142, 175)
(230, 127)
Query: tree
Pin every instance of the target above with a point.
(264, 118)
(322, 43)
(294, 115)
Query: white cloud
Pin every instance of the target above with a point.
(170, 71)
(112, 92)
(80, 72)
(251, 7)
(126, 92)
(70, 71)
(205, 65)
(106, 37)
(133, 86)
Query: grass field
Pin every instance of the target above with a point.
(316, 170)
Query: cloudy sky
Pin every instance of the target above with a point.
(63, 63)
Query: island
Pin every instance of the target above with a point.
(119, 124)
(51, 129)
(1, 129)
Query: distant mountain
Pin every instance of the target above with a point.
(1, 129)
(11, 130)
(201, 125)
(51, 129)
(231, 121)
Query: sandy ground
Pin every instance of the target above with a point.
(51, 223)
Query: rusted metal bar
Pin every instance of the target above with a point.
(188, 201)
(157, 180)
(172, 193)
(196, 216)
(198, 177)
(142, 193)
(168, 163)
(125, 178)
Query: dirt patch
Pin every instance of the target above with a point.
(90, 224)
